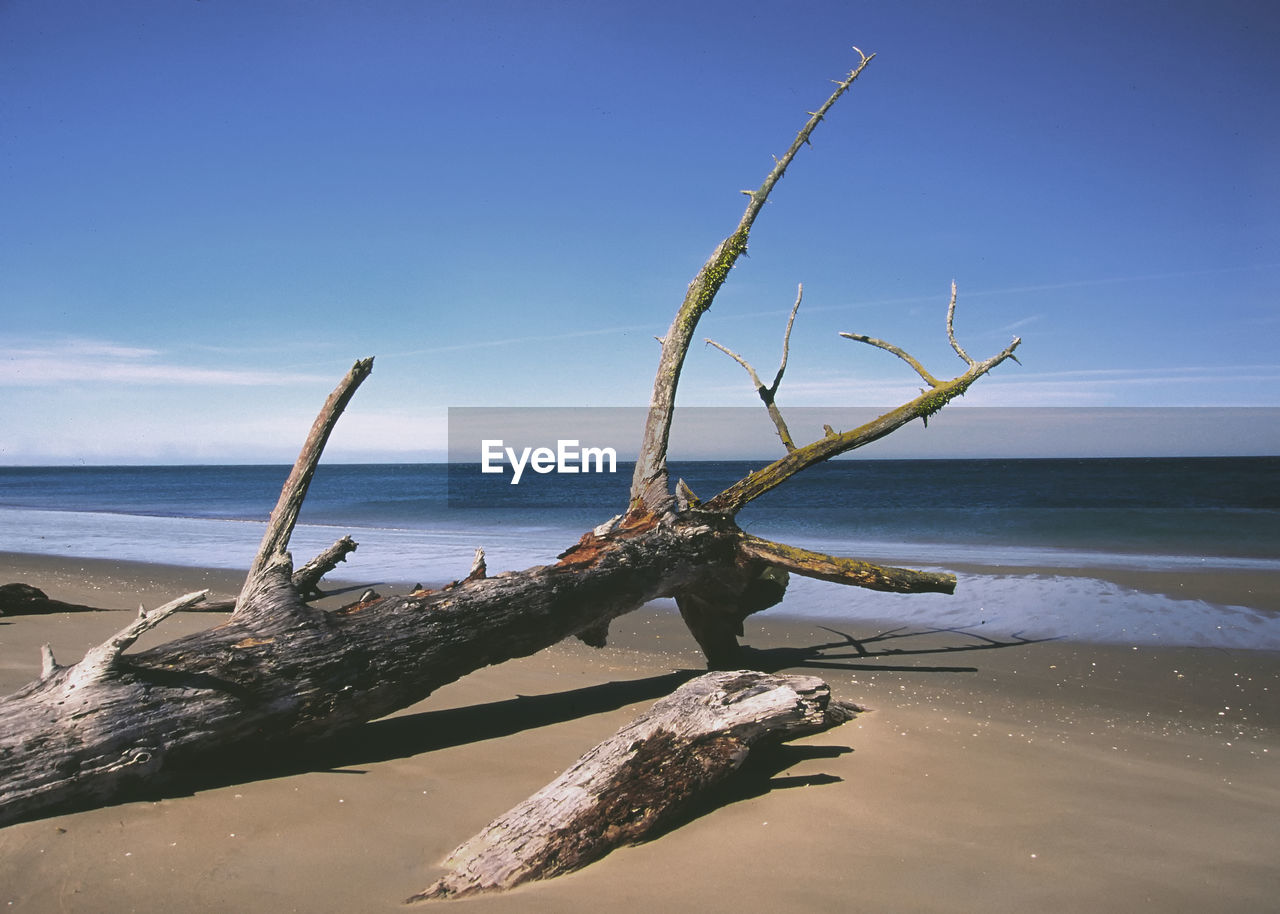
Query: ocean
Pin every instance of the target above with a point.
(1039, 544)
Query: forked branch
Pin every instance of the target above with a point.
(650, 487)
(767, 394)
(938, 395)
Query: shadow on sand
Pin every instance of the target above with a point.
(414, 733)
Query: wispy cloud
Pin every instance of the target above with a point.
(1193, 385)
(74, 360)
(1176, 373)
(940, 298)
(970, 292)
(1118, 280)
(522, 340)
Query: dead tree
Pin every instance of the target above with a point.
(279, 670)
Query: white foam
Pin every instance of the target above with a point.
(1047, 606)
(1041, 606)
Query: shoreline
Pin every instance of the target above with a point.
(1204, 607)
(1253, 589)
(1055, 775)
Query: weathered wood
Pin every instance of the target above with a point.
(635, 783)
(285, 671)
(650, 486)
(307, 578)
(275, 541)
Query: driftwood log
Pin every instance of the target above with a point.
(638, 781)
(22, 599)
(281, 671)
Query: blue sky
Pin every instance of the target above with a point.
(209, 210)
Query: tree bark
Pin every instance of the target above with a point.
(642, 779)
(279, 670)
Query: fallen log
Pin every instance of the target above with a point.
(636, 783)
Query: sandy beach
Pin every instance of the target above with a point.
(1047, 776)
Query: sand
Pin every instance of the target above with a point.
(1041, 777)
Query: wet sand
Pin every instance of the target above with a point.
(1047, 776)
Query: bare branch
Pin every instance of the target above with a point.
(732, 499)
(940, 393)
(755, 378)
(275, 542)
(48, 665)
(951, 333)
(98, 661)
(786, 340)
(841, 570)
(889, 347)
(768, 393)
(478, 568)
(650, 488)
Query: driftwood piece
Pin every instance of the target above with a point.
(635, 783)
(21, 599)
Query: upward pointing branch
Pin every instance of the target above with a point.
(275, 542)
(650, 487)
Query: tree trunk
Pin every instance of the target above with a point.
(279, 670)
(642, 779)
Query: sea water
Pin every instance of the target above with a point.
(1017, 519)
